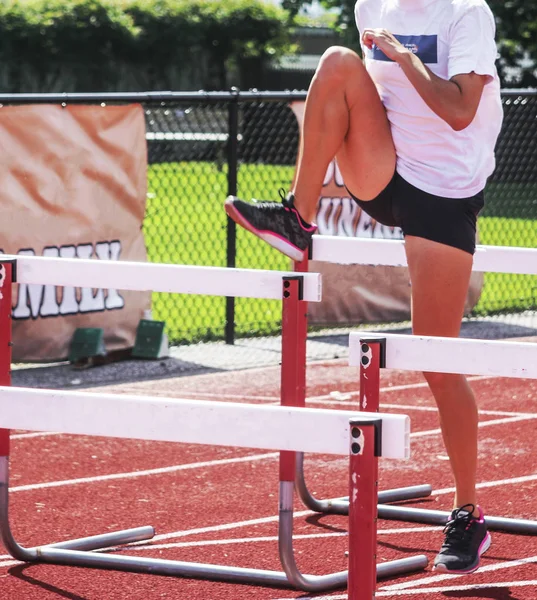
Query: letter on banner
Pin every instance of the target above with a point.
(359, 293)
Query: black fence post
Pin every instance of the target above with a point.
(233, 166)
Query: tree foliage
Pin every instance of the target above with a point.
(133, 45)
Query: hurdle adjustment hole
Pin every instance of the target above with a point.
(365, 348)
(286, 294)
(356, 448)
(356, 433)
(365, 361)
(287, 284)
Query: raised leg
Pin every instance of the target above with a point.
(343, 117)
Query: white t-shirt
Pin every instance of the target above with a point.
(451, 37)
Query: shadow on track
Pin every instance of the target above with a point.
(19, 573)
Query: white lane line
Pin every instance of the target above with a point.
(306, 536)
(492, 568)
(398, 388)
(25, 436)
(490, 484)
(491, 413)
(429, 432)
(134, 474)
(200, 530)
(433, 590)
(432, 409)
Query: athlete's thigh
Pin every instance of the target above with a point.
(367, 157)
(440, 277)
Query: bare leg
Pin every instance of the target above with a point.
(440, 278)
(345, 117)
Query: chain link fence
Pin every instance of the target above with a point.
(204, 146)
(192, 168)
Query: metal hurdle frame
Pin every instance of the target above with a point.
(364, 452)
(372, 352)
(352, 251)
(294, 394)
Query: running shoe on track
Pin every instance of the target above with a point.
(466, 539)
(278, 224)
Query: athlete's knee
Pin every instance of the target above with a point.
(338, 64)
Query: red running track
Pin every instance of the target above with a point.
(220, 505)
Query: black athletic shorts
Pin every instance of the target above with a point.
(450, 221)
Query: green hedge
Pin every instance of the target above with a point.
(134, 45)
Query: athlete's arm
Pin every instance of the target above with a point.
(455, 101)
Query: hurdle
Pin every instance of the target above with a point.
(359, 251)
(364, 438)
(373, 352)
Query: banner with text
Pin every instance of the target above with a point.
(355, 294)
(74, 185)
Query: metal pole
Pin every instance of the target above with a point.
(440, 517)
(232, 176)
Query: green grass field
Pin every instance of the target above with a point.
(186, 224)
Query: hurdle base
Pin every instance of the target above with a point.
(79, 553)
(96, 542)
(438, 517)
(171, 568)
(340, 506)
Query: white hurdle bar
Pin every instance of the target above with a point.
(367, 251)
(178, 279)
(361, 437)
(452, 355)
(374, 351)
(320, 431)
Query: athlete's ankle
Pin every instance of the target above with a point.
(307, 216)
(476, 512)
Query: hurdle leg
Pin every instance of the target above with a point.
(340, 506)
(293, 393)
(294, 389)
(363, 491)
(439, 517)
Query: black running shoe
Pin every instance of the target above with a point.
(466, 540)
(278, 224)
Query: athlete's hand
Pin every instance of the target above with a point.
(385, 41)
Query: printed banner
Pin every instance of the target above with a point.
(354, 294)
(74, 185)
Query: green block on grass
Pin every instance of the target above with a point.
(86, 343)
(150, 341)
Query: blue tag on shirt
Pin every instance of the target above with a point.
(425, 47)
